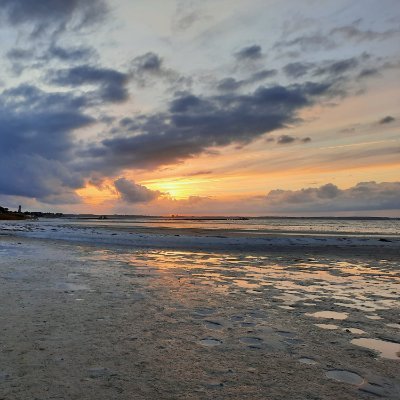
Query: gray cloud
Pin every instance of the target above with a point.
(149, 67)
(193, 124)
(338, 67)
(22, 59)
(350, 67)
(355, 33)
(329, 198)
(297, 69)
(287, 139)
(327, 41)
(132, 192)
(253, 52)
(111, 83)
(230, 84)
(69, 54)
(311, 42)
(187, 14)
(387, 120)
(368, 72)
(52, 15)
(36, 142)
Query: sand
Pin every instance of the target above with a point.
(101, 321)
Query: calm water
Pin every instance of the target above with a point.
(324, 226)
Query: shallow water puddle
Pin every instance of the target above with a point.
(213, 325)
(393, 326)
(373, 317)
(210, 342)
(71, 286)
(342, 375)
(329, 315)
(390, 350)
(327, 326)
(251, 341)
(355, 331)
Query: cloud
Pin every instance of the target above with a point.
(253, 52)
(230, 84)
(37, 143)
(329, 198)
(329, 40)
(353, 32)
(194, 124)
(69, 54)
(52, 15)
(297, 69)
(187, 14)
(287, 139)
(340, 67)
(22, 59)
(197, 173)
(111, 83)
(149, 67)
(311, 42)
(387, 120)
(132, 192)
(368, 72)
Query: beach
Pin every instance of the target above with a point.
(106, 312)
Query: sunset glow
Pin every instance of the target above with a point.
(202, 107)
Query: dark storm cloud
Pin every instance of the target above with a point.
(230, 84)
(363, 196)
(36, 143)
(111, 83)
(253, 52)
(52, 15)
(387, 120)
(194, 124)
(132, 192)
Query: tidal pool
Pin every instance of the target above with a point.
(385, 348)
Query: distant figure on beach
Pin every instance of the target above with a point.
(19, 209)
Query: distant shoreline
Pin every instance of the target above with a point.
(220, 240)
(12, 217)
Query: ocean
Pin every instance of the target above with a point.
(277, 225)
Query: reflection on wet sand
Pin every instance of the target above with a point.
(235, 301)
(385, 348)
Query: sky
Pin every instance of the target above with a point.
(212, 107)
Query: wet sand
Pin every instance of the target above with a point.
(86, 321)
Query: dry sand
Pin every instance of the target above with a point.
(101, 322)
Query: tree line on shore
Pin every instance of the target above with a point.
(6, 214)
